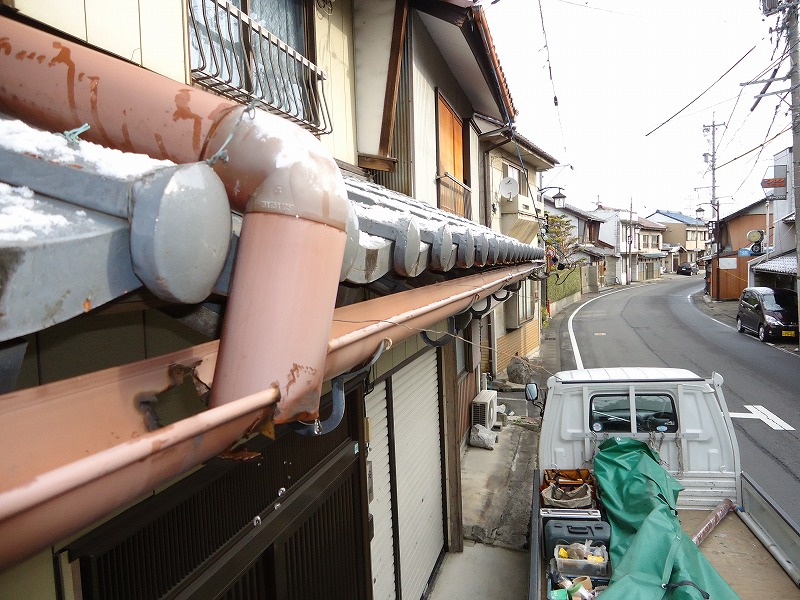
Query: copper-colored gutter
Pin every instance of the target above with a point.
(56, 480)
(290, 187)
(359, 328)
(76, 450)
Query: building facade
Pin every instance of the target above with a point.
(267, 358)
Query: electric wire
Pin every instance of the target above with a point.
(703, 92)
(552, 83)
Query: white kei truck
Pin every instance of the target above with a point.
(664, 462)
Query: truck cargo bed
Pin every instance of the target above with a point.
(740, 558)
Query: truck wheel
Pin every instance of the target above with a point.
(762, 333)
(739, 326)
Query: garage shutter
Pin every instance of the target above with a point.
(415, 402)
(382, 546)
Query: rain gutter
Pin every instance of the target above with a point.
(53, 485)
(77, 450)
(282, 177)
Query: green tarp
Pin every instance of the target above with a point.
(651, 557)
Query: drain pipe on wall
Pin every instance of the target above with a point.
(275, 332)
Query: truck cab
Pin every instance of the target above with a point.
(682, 421)
(679, 414)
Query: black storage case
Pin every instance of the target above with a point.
(569, 532)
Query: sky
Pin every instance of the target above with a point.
(622, 70)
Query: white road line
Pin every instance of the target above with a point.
(572, 340)
(761, 413)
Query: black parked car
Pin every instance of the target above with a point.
(768, 313)
(687, 269)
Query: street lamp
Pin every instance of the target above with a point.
(699, 213)
(558, 198)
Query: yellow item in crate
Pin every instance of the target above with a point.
(562, 553)
(595, 558)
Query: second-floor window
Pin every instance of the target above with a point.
(262, 51)
(454, 194)
(517, 175)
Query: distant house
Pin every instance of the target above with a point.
(778, 266)
(685, 237)
(730, 260)
(587, 228)
(651, 258)
(619, 240)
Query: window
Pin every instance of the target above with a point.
(258, 50)
(520, 177)
(652, 413)
(454, 195)
(610, 413)
(655, 412)
(523, 310)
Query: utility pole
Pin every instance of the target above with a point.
(630, 243)
(714, 201)
(795, 81)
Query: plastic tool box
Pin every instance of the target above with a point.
(558, 532)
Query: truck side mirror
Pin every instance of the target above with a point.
(531, 392)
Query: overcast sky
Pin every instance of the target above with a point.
(620, 68)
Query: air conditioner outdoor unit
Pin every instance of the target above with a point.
(484, 409)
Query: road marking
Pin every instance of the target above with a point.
(761, 413)
(572, 340)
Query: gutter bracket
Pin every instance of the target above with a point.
(337, 393)
(514, 287)
(445, 339)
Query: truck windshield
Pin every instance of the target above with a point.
(652, 412)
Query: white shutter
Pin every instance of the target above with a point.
(415, 400)
(382, 545)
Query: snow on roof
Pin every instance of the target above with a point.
(20, 220)
(784, 265)
(19, 137)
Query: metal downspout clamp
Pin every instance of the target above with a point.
(337, 393)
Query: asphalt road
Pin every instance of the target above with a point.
(660, 324)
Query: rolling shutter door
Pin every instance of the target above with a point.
(382, 545)
(415, 402)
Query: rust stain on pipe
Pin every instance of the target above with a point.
(273, 168)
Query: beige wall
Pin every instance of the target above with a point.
(335, 56)
(151, 33)
(430, 73)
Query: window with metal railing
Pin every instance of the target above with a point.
(454, 196)
(236, 52)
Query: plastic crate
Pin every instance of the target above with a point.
(573, 566)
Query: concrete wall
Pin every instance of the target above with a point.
(151, 33)
(336, 57)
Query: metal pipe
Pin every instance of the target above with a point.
(280, 175)
(779, 555)
(359, 327)
(714, 519)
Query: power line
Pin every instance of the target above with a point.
(773, 138)
(702, 93)
(550, 73)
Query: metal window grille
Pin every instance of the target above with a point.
(235, 56)
(454, 196)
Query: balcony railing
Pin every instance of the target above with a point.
(235, 56)
(454, 196)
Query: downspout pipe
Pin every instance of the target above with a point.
(294, 232)
(78, 474)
